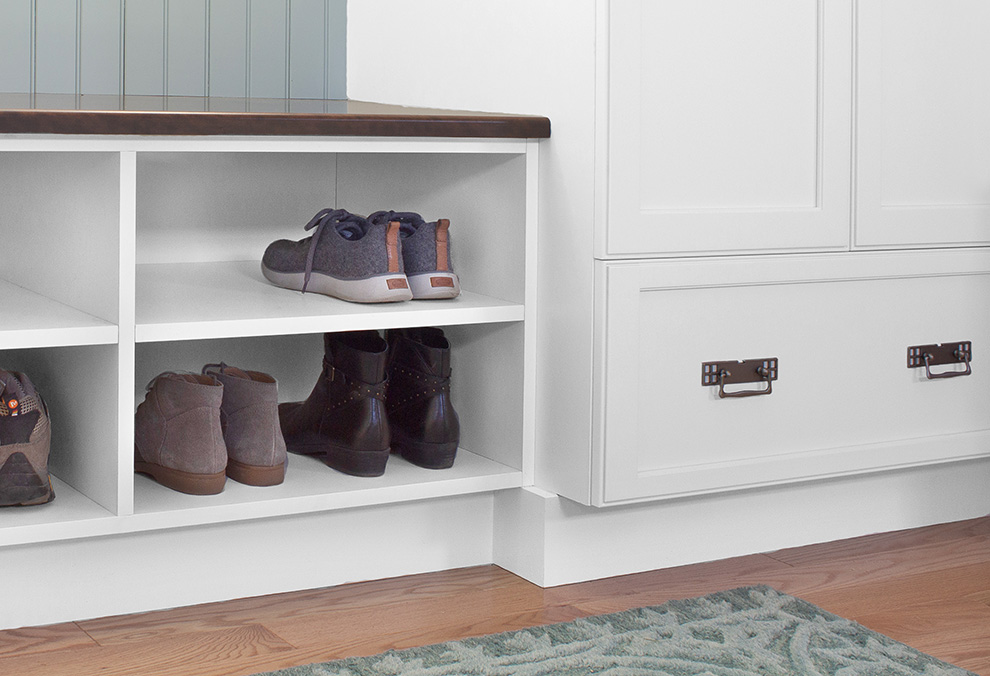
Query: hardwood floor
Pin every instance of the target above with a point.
(928, 587)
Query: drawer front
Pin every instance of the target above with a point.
(844, 400)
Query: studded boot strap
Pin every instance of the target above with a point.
(423, 385)
(355, 389)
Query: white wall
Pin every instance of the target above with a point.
(256, 48)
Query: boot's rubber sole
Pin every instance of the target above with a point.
(386, 288)
(424, 453)
(341, 458)
(434, 285)
(255, 475)
(184, 482)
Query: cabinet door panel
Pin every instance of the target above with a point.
(729, 126)
(844, 401)
(923, 104)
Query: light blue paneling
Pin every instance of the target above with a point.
(16, 30)
(186, 48)
(100, 35)
(144, 47)
(220, 48)
(307, 48)
(228, 48)
(336, 66)
(268, 53)
(56, 46)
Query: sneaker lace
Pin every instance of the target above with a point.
(334, 217)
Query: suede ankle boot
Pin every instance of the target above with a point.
(344, 417)
(177, 436)
(249, 420)
(425, 428)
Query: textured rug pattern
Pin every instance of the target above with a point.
(749, 631)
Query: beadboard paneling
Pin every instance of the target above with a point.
(144, 47)
(55, 49)
(16, 34)
(258, 48)
(100, 45)
(228, 47)
(186, 48)
(268, 54)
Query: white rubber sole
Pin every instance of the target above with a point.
(387, 288)
(434, 285)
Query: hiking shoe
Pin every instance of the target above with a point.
(347, 257)
(249, 420)
(25, 442)
(425, 428)
(178, 440)
(344, 419)
(425, 254)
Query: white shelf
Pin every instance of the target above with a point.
(310, 486)
(189, 301)
(69, 515)
(28, 319)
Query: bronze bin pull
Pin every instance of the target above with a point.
(731, 372)
(938, 354)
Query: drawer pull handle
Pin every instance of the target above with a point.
(724, 373)
(939, 354)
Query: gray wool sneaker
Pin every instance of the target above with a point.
(25, 441)
(425, 254)
(347, 257)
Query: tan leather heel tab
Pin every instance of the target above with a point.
(392, 245)
(443, 244)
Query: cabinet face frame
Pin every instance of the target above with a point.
(623, 472)
(626, 230)
(891, 113)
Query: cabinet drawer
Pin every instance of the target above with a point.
(844, 400)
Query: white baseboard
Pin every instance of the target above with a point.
(577, 543)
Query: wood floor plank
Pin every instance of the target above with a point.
(943, 585)
(867, 545)
(962, 636)
(657, 586)
(32, 640)
(211, 653)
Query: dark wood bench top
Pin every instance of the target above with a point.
(199, 116)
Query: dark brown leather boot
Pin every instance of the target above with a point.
(425, 428)
(344, 417)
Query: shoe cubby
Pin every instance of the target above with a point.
(125, 257)
(78, 385)
(204, 220)
(59, 258)
(489, 456)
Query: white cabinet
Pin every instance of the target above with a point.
(746, 154)
(728, 126)
(126, 256)
(923, 142)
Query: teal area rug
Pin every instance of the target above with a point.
(752, 631)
